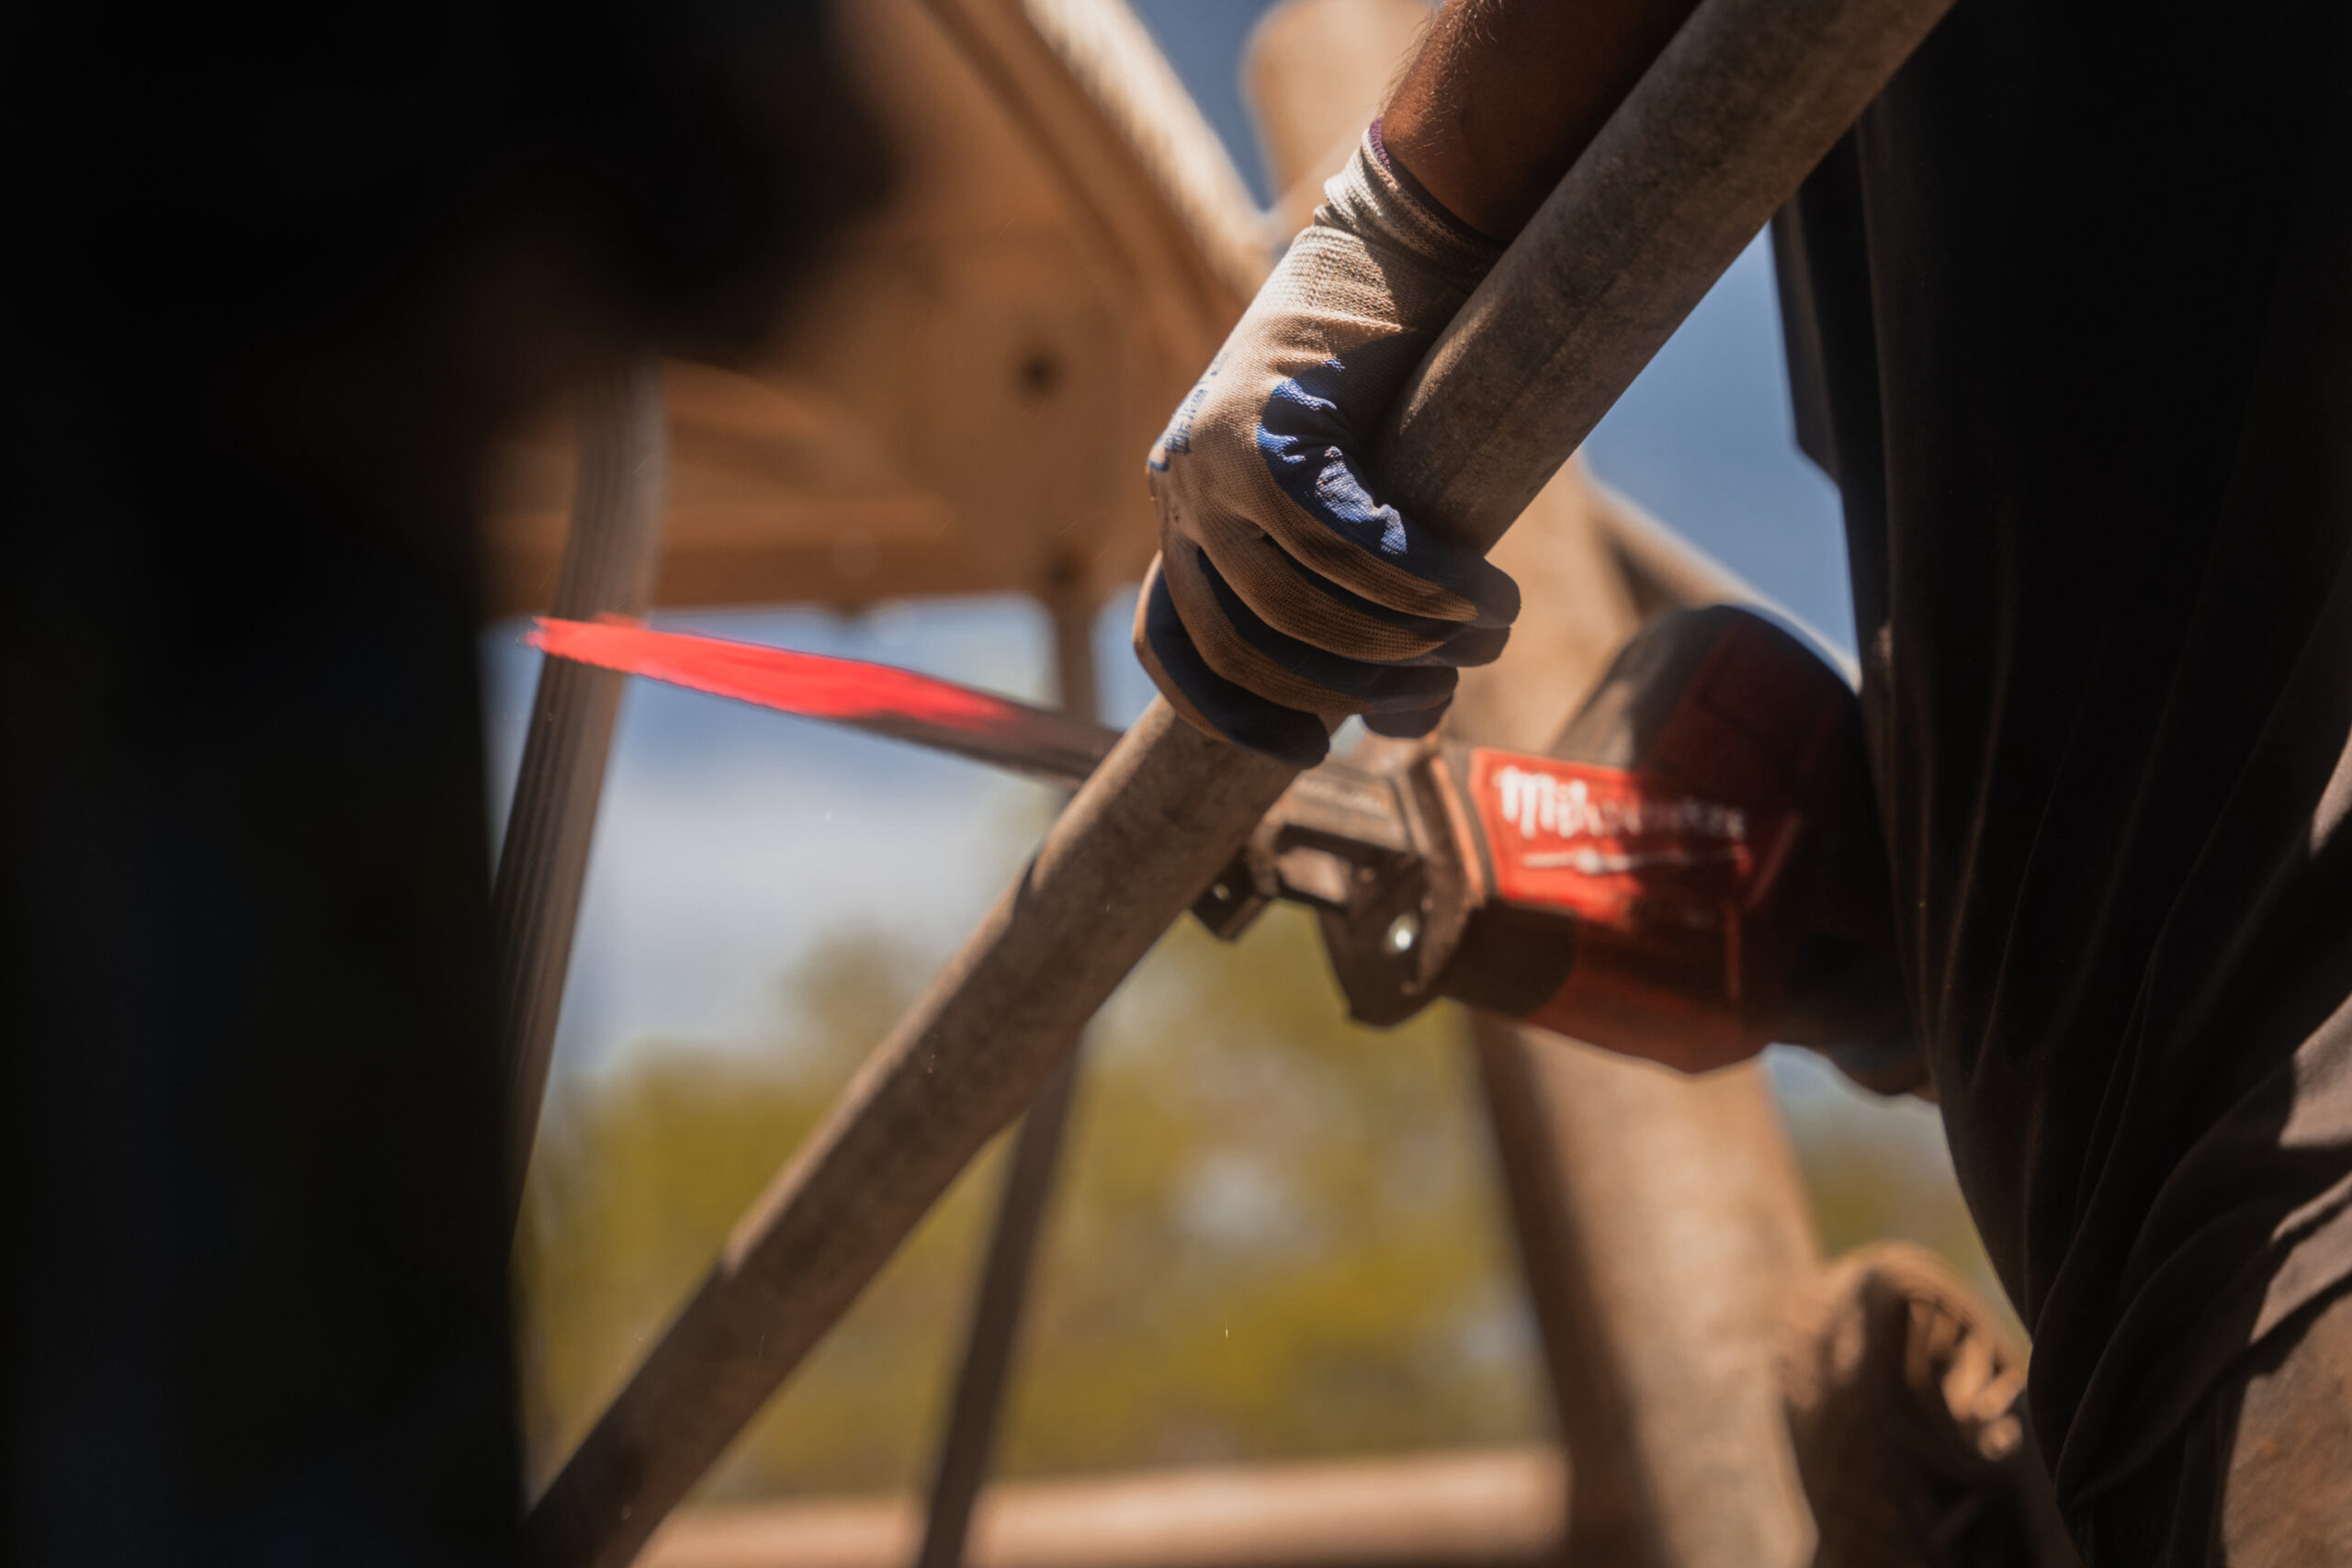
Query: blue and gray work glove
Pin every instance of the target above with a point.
(1286, 596)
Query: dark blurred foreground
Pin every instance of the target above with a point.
(273, 289)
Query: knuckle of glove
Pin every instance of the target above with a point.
(1243, 648)
(1294, 581)
(1208, 700)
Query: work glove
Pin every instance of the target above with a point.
(1906, 1399)
(1286, 596)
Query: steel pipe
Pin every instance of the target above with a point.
(1718, 134)
(609, 563)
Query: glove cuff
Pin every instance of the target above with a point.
(1384, 207)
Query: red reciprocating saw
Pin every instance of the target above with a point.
(1693, 871)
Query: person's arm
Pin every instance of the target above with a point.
(1287, 596)
(1504, 93)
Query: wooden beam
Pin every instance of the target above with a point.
(976, 1408)
(1313, 73)
(1497, 1508)
(1146, 174)
(1606, 1529)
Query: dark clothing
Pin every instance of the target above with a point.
(273, 281)
(2256, 1477)
(2071, 323)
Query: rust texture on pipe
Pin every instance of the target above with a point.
(1717, 134)
(1492, 1508)
(609, 562)
(1604, 1526)
(1169, 807)
(1681, 1216)
(1139, 843)
(976, 1409)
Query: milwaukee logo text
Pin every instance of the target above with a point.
(1545, 804)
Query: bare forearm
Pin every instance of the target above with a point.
(1506, 93)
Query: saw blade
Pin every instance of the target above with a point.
(876, 699)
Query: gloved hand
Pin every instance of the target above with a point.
(1286, 596)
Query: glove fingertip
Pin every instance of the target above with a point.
(1210, 701)
(1469, 649)
(1409, 725)
(1505, 604)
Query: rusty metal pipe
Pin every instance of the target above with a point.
(609, 563)
(1746, 99)
(1710, 124)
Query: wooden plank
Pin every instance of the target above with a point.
(963, 390)
(1493, 1509)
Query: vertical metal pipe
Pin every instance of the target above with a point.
(1679, 1231)
(976, 1410)
(1604, 1525)
(609, 563)
(969, 1440)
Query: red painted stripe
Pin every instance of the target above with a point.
(806, 683)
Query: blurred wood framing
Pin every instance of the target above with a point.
(1494, 1509)
(963, 397)
(1315, 72)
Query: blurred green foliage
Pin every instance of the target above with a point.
(1274, 1234)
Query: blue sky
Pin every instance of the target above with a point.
(730, 838)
